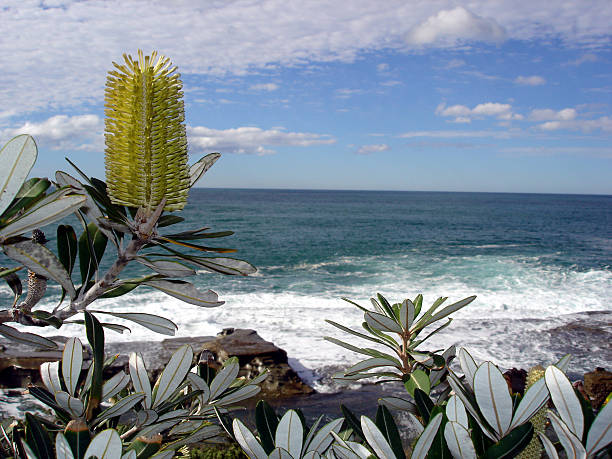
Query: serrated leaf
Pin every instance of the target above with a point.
(26, 338)
(17, 158)
(140, 377)
(173, 375)
(200, 167)
(493, 397)
(41, 260)
(43, 215)
(247, 441)
(72, 362)
(106, 445)
(152, 322)
(381, 322)
(600, 433)
(186, 292)
(458, 441)
(565, 400)
(290, 433)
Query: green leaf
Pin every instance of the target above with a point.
(290, 433)
(224, 378)
(387, 426)
(266, 422)
(455, 411)
(31, 192)
(322, 439)
(534, 399)
(376, 439)
(247, 441)
(106, 445)
(360, 335)
(67, 246)
(92, 245)
(382, 323)
(189, 245)
(71, 404)
(199, 168)
(120, 290)
(166, 268)
(42, 215)
(62, 447)
(458, 441)
(26, 338)
(493, 397)
(95, 336)
(38, 438)
(140, 377)
(511, 444)
(570, 442)
(468, 365)
(352, 421)
(186, 292)
(418, 380)
(17, 158)
(13, 281)
(600, 433)
(167, 220)
(427, 437)
(386, 306)
(565, 400)
(224, 265)
(72, 362)
(173, 375)
(156, 323)
(450, 309)
(119, 407)
(41, 260)
(406, 314)
(47, 398)
(114, 385)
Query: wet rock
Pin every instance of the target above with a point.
(598, 384)
(516, 380)
(19, 364)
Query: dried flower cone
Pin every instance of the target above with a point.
(146, 142)
(534, 449)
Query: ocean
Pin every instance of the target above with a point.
(540, 265)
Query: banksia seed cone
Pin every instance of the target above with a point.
(534, 449)
(146, 142)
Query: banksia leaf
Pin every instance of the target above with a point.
(146, 142)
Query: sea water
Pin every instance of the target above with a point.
(539, 265)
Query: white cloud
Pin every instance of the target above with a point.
(589, 57)
(391, 83)
(603, 123)
(250, 140)
(264, 87)
(368, 149)
(345, 93)
(464, 114)
(455, 63)
(62, 132)
(533, 80)
(382, 68)
(455, 26)
(547, 114)
(58, 57)
(458, 134)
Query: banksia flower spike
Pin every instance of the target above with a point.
(534, 449)
(146, 141)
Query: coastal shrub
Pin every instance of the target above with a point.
(147, 175)
(126, 414)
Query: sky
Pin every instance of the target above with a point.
(433, 95)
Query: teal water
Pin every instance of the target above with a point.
(533, 261)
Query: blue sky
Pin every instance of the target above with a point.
(509, 96)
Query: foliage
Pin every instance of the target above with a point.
(225, 451)
(580, 432)
(153, 140)
(287, 437)
(125, 413)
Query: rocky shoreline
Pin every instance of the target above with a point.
(19, 366)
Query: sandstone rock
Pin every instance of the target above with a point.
(19, 364)
(598, 384)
